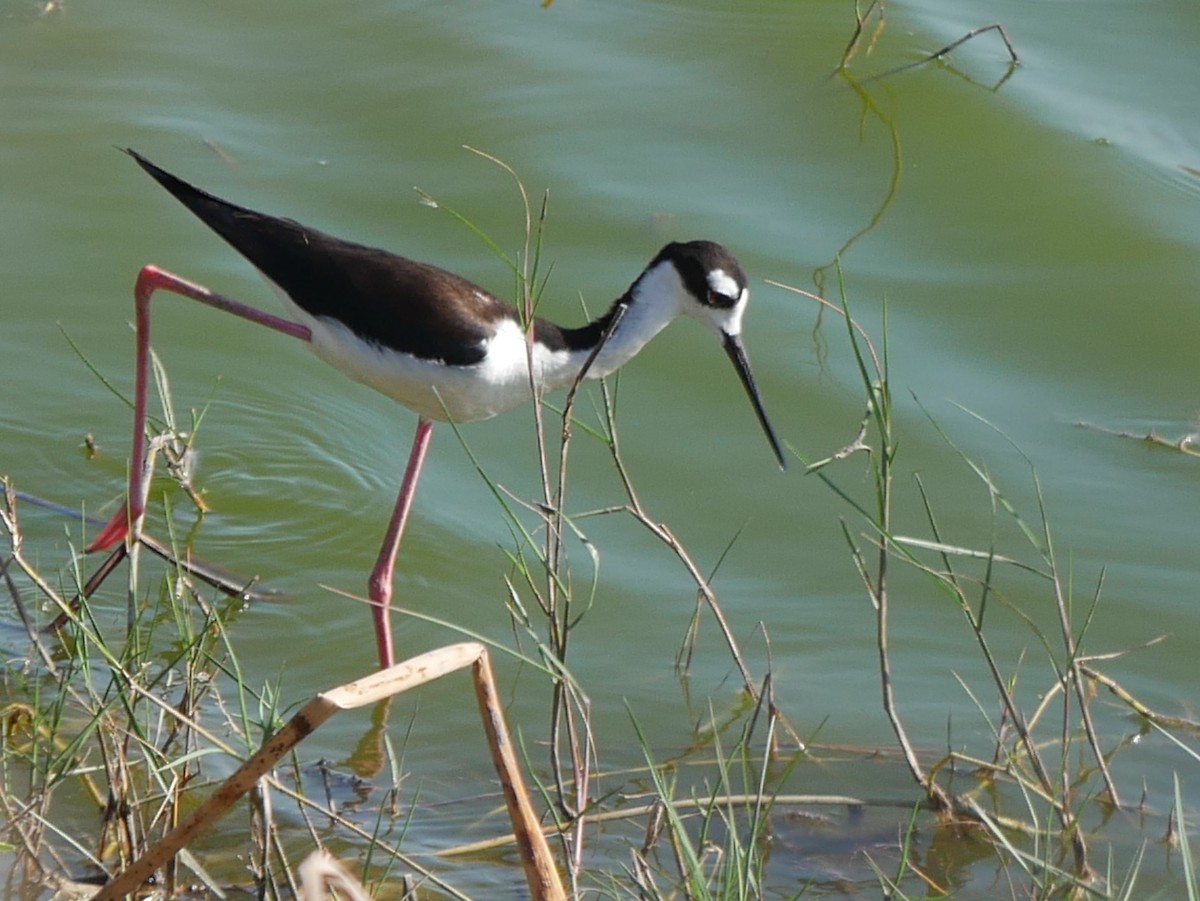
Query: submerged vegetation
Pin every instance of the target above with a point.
(134, 704)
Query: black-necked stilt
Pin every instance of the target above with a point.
(435, 342)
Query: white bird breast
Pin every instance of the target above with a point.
(435, 390)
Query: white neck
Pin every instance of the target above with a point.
(654, 300)
(658, 297)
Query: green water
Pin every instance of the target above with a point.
(1034, 245)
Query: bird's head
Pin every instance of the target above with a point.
(714, 291)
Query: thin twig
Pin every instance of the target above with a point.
(1013, 60)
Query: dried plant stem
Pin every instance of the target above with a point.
(376, 687)
(540, 871)
(664, 534)
(875, 7)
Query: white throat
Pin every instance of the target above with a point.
(658, 297)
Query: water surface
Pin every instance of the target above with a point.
(1034, 246)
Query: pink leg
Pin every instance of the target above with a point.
(380, 584)
(127, 521)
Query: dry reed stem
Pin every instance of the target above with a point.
(321, 875)
(700, 805)
(540, 870)
(411, 673)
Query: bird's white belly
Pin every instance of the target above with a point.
(439, 391)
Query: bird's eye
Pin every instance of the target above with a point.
(721, 301)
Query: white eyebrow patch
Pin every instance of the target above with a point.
(724, 284)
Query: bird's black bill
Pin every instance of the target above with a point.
(737, 353)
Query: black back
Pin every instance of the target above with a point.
(384, 298)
